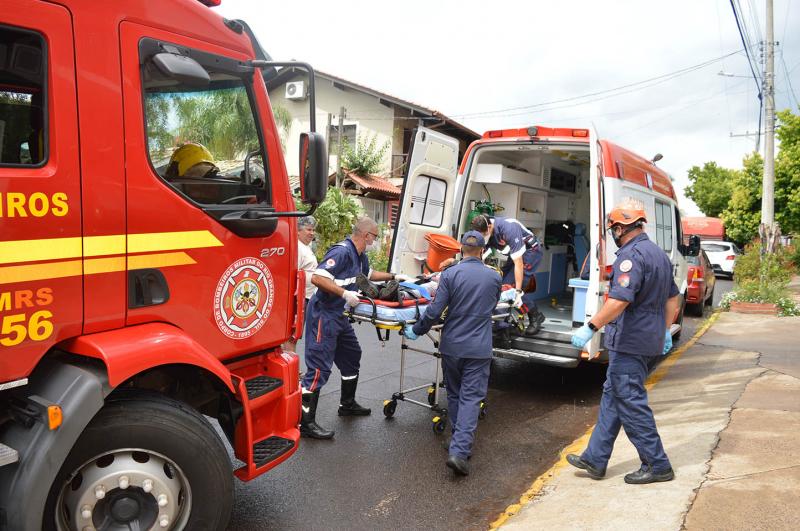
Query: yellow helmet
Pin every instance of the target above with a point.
(189, 155)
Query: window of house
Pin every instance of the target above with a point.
(205, 143)
(664, 226)
(374, 209)
(348, 137)
(23, 97)
(427, 201)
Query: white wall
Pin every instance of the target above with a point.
(363, 110)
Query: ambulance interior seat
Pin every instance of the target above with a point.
(581, 250)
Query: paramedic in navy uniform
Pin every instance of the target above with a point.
(642, 302)
(512, 238)
(329, 335)
(469, 291)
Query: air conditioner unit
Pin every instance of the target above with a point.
(296, 90)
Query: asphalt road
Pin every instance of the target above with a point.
(390, 474)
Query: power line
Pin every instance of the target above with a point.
(652, 81)
(789, 80)
(746, 49)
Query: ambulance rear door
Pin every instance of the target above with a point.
(597, 281)
(426, 205)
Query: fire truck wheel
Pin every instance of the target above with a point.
(144, 462)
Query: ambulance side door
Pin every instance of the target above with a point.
(41, 300)
(426, 205)
(597, 228)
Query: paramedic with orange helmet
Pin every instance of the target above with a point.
(642, 302)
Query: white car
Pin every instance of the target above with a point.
(722, 256)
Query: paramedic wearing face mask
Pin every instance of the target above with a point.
(469, 291)
(642, 302)
(511, 238)
(329, 335)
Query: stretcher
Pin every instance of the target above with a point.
(385, 317)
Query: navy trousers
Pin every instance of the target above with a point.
(329, 339)
(530, 263)
(467, 381)
(624, 404)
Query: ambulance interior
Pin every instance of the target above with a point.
(547, 189)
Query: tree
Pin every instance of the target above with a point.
(787, 173)
(366, 158)
(711, 188)
(283, 119)
(743, 214)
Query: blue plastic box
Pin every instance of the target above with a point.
(580, 288)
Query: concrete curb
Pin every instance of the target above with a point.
(578, 444)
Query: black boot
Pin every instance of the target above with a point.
(536, 319)
(348, 405)
(308, 424)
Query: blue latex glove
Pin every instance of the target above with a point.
(508, 295)
(582, 336)
(408, 331)
(667, 342)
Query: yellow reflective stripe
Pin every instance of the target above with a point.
(27, 273)
(104, 245)
(95, 266)
(38, 250)
(144, 261)
(168, 241)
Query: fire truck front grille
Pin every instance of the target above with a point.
(269, 449)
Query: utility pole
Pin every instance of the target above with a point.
(768, 229)
(339, 147)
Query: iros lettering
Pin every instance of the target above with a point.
(36, 205)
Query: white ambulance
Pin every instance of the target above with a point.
(558, 182)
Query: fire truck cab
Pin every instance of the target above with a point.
(147, 265)
(559, 183)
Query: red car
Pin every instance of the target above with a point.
(701, 279)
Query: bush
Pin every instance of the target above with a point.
(793, 253)
(379, 258)
(335, 219)
(763, 278)
(365, 158)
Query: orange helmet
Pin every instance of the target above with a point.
(626, 213)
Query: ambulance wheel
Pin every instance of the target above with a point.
(439, 424)
(431, 396)
(482, 414)
(389, 407)
(144, 462)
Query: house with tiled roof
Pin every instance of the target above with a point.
(368, 112)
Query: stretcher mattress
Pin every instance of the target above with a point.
(391, 314)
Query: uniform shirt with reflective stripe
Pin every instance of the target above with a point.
(509, 237)
(342, 264)
(469, 291)
(642, 276)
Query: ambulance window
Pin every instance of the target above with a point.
(427, 201)
(200, 140)
(23, 139)
(664, 226)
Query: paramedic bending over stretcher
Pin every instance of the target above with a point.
(469, 291)
(513, 239)
(329, 335)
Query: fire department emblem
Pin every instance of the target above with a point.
(243, 298)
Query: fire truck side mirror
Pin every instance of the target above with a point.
(314, 181)
(694, 245)
(182, 68)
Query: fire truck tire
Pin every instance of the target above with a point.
(144, 461)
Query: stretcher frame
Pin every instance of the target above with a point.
(390, 405)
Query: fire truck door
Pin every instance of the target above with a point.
(41, 245)
(203, 171)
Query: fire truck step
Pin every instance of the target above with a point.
(269, 449)
(7, 455)
(261, 385)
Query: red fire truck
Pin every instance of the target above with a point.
(144, 288)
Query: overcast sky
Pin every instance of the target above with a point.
(500, 64)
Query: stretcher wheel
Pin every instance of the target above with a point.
(389, 407)
(482, 414)
(431, 396)
(439, 424)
